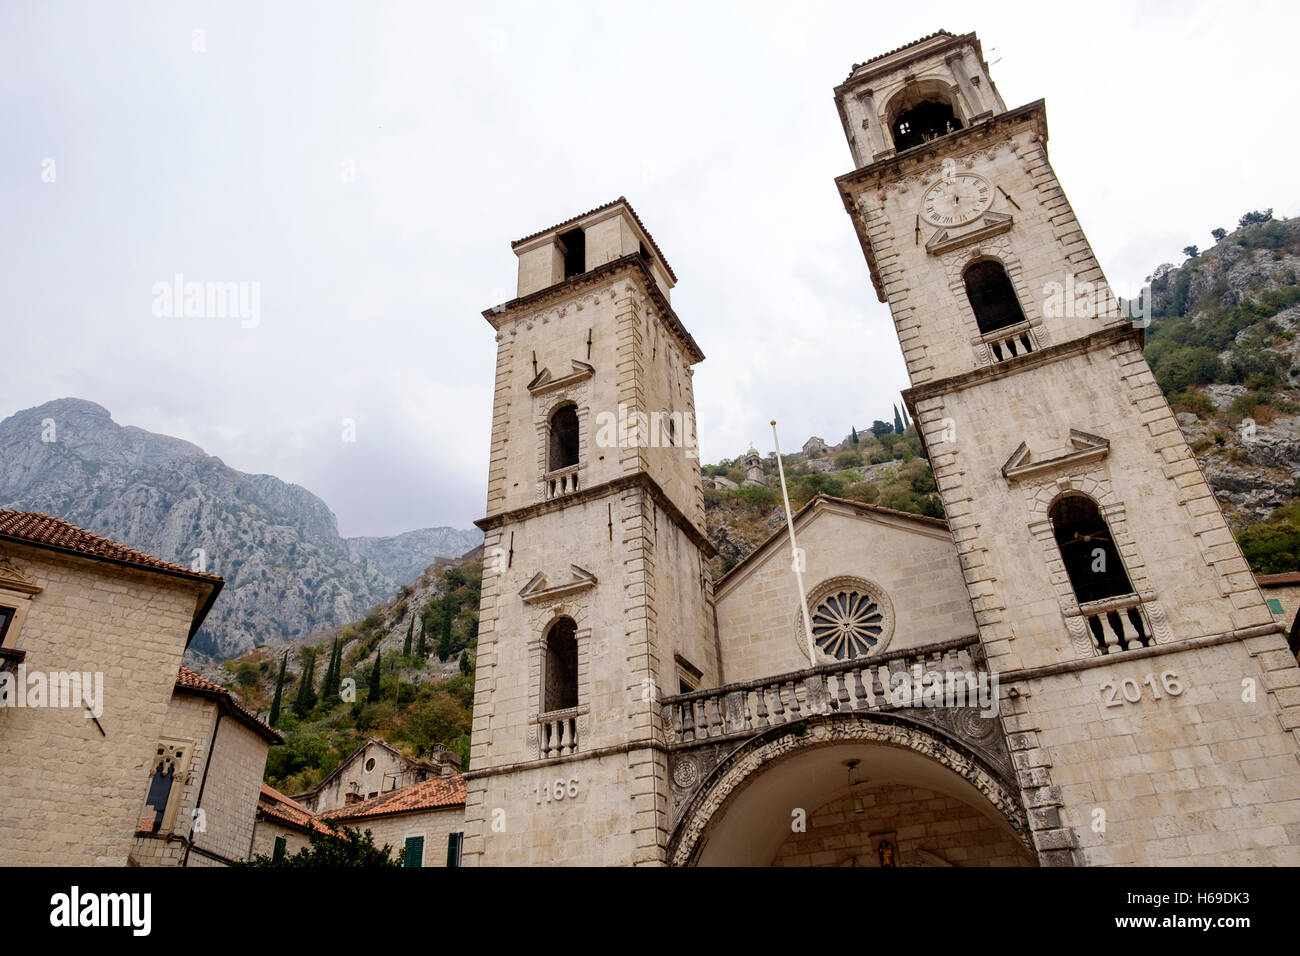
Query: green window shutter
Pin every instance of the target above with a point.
(278, 853)
(454, 841)
(1275, 605)
(414, 851)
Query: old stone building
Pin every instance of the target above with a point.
(1077, 668)
(91, 637)
(374, 768)
(203, 787)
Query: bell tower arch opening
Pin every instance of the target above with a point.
(921, 112)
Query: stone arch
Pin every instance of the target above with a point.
(999, 250)
(730, 778)
(917, 93)
(542, 620)
(1092, 480)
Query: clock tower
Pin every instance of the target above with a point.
(1148, 699)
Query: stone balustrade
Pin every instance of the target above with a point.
(557, 733)
(1116, 624)
(859, 685)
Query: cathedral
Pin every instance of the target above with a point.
(1075, 668)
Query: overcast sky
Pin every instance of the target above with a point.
(368, 163)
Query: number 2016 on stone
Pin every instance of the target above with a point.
(1132, 691)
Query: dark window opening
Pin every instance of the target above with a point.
(922, 123)
(454, 843)
(160, 791)
(561, 666)
(564, 438)
(277, 854)
(645, 254)
(6, 618)
(1091, 559)
(992, 297)
(574, 245)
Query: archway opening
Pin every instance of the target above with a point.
(921, 123)
(992, 297)
(560, 691)
(858, 803)
(1088, 549)
(563, 450)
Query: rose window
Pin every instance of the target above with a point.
(848, 624)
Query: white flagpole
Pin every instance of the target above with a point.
(796, 556)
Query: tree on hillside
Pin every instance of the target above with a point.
(855, 436)
(444, 640)
(306, 698)
(410, 633)
(1256, 218)
(906, 421)
(1219, 234)
(879, 428)
(422, 646)
(279, 689)
(898, 422)
(372, 696)
(329, 690)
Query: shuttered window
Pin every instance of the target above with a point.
(454, 841)
(414, 852)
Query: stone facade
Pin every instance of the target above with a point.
(1065, 404)
(374, 768)
(1154, 724)
(225, 758)
(73, 786)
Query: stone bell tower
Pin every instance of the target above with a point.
(1149, 702)
(596, 599)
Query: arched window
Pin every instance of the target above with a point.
(560, 687)
(991, 295)
(922, 123)
(1091, 559)
(564, 437)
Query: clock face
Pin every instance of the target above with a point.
(956, 201)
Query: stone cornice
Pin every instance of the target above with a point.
(594, 492)
(632, 263)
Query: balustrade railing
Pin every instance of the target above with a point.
(557, 732)
(857, 685)
(561, 482)
(1009, 342)
(1116, 624)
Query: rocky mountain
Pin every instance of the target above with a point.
(288, 571)
(1224, 346)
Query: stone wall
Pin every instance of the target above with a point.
(434, 825)
(73, 795)
(230, 795)
(914, 563)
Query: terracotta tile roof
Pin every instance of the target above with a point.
(277, 806)
(430, 795)
(188, 680)
(42, 530)
(591, 212)
(1278, 580)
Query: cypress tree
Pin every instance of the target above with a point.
(906, 421)
(279, 689)
(306, 698)
(329, 688)
(422, 646)
(410, 632)
(898, 422)
(855, 434)
(373, 695)
(444, 642)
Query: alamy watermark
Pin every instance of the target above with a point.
(181, 299)
(1081, 298)
(53, 689)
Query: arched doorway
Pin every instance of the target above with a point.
(850, 790)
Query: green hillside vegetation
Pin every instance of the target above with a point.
(1204, 333)
(324, 718)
